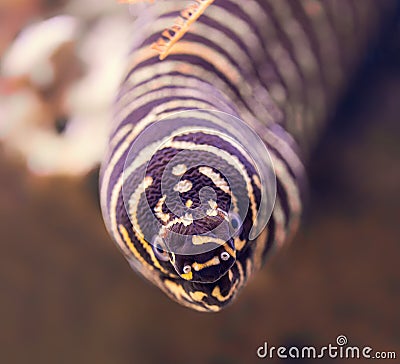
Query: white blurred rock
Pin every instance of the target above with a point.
(26, 124)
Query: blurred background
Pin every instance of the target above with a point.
(68, 296)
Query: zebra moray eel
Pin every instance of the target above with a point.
(204, 173)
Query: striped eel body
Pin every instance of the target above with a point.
(194, 198)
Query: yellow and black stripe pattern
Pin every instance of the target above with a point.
(279, 66)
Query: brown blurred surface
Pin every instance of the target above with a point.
(68, 296)
(15, 14)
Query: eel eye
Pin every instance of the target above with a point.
(187, 269)
(159, 248)
(235, 223)
(225, 256)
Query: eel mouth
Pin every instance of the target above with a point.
(210, 274)
(223, 278)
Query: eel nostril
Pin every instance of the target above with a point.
(224, 256)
